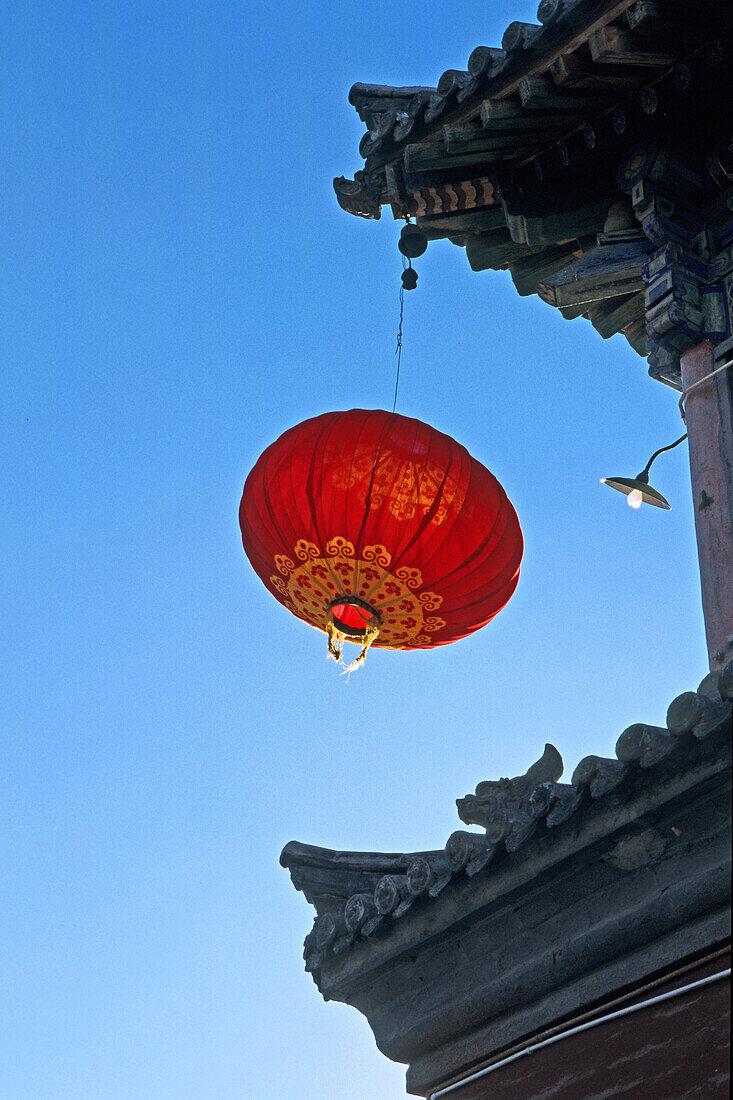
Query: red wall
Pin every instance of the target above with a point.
(669, 1051)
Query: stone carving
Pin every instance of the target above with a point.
(510, 809)
(356, 197)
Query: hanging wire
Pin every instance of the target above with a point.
(398, 349)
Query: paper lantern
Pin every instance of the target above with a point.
(380, 530)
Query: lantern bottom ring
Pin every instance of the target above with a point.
(351, 631)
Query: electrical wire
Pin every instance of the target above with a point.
(699, 382)
(533, 1047)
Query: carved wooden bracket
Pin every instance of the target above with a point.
(687, 280)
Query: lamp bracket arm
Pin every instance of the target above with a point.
(644, 473)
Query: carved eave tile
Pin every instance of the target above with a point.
(358, 198)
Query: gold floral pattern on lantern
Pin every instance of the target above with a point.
(312, 579)
(411, 490)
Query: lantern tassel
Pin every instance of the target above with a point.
(367, 640)
(336, 641)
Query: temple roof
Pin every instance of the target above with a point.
(531, 157)
(362, 897)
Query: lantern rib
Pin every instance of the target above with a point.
(475, 559)
(444, 534)
(442, 531)
(382, 537)
(325, 529)
(331, 525)
(502, 517)
(275, 483)
(316, 523)
(265, 499)
(360, 537)
(424, 525)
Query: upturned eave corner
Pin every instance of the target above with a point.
(361, 899)
(579, 157)
(567, 890)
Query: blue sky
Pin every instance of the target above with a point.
(179, 287)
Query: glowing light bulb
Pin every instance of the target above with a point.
(634, 498)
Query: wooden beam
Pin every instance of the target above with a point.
(606, 271)
(468, 221)
(459, 140)
(616, 46)
(571, 312)
(538, 93)
(709, 419)
(433, 157)
(494, 250)
(600, 13)
(559, 41)
(578, 70)
(609, 317)
(561, 225)
(498, 115)
(528, 273)
(606, 14)
(635, 333)
(429, 199)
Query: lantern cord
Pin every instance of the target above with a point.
(398, 349)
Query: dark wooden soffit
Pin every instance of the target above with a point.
(362, 897)
(524, 157)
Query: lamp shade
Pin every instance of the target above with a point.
(375, 525)
(639, 485)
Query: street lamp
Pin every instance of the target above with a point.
(637, 489)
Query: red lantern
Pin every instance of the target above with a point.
(380, 530)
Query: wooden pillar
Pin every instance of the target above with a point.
(709, 416)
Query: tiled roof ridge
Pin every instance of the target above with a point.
(357, 894)
(393, 114)
(531, 55)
